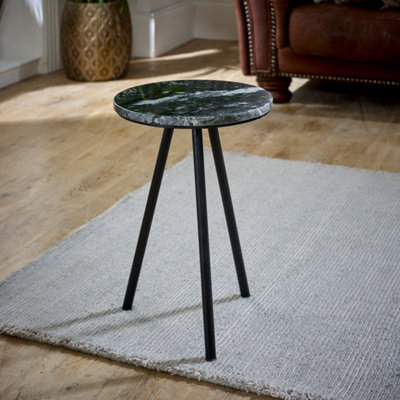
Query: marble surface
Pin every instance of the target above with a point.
(192, 103)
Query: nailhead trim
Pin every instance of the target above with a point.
(272, 23)
(249, 34)
(273, 37)
(341, 78)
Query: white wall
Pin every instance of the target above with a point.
(29, 31)
(20, 29)
(29, 39)
(215, 19)
(20, 40)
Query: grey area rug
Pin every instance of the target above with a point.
(322, 251)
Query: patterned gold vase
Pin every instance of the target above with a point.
(95, 41)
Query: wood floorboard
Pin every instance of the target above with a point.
(65, 157)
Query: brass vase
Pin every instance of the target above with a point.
(95, 41)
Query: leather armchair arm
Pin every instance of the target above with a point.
(262, 28)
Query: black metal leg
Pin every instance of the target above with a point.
(147, 218)
(228, 208)
(208, 317)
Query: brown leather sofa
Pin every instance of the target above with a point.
(280, 39)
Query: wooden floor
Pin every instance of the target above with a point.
(65, 157)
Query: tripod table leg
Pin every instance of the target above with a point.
(147, 218)
(208, 317)
(229, 213)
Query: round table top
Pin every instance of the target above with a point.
(192, 103)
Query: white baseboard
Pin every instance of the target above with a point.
(174, 26)
(13, 71)
(158, 31)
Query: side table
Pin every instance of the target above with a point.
(195, 105)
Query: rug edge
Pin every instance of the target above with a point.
(102, 352)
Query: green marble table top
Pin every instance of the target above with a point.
(192, 103)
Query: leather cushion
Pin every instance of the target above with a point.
(346, 32)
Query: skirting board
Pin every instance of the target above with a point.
(12, 71)
(158, 31)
